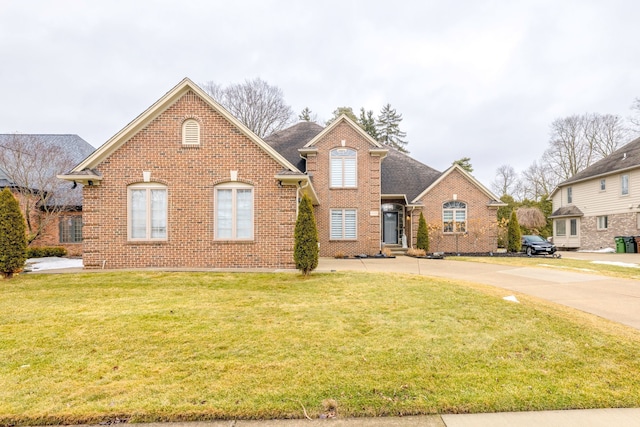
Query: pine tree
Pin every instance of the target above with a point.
(464, 163)
(423, 234)
(388, 127)
(306, 115)
(347, 111)
(13, 238)
(368, 123)
(514, 243)
(305, 253)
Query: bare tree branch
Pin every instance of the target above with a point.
(255, 103)
(32, 165)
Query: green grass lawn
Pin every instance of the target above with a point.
(578, 265)
(158, 346)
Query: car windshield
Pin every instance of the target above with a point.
(535, 239)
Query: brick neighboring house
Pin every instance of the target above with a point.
(187, 185)
(61, 211)
(599, 203)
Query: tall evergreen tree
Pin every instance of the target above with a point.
(423, 234)
(368, 123)
(514, 243)
(13, 238)
(305, 252)
(388, 126)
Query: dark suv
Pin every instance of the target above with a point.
(535, 245)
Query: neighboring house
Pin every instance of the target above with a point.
(599, 203)
(187, 185)
(60, 206)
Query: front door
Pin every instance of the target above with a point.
(390, 228)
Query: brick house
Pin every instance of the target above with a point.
(187, 185)
(56, 214)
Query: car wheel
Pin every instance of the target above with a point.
(529, 251)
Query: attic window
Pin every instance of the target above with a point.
(190, 132)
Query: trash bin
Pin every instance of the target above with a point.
(630, 245)
(620, 244)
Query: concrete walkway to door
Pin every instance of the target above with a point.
(608, 297)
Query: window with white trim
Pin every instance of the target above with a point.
(573, 227)
(569, 195)
(454, 217)
(147, 211)
(343, 224)
(624, 184)
(233, 203)
(344, 168)
(603, 184)
(191, 132)
(561, 227)
(602, 222)
(70, 229)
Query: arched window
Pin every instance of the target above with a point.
(454, 217)
(233, 211)
(191, 132)
(343, 168)
(147, 218)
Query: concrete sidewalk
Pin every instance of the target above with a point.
(573, 418)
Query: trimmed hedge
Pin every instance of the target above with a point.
(46, 251)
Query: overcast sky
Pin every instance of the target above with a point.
(480, 78)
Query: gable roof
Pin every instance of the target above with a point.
(624, 158)
(72, 145)
(403, 175)
(288, 141)
(151, 113)
(344, 119)
(493, 199)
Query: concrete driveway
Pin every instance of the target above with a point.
(611, 298)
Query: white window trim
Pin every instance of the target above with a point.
(573, 221)
(234, 186)
(603, 185)
(622, 188)
(343, 211)
(342, 159)
(148, 186)
(605, 219)
(191, 132)
(557, 232)
(569, 195)
(453, 212)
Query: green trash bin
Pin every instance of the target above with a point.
(620, 245)
(630, 245)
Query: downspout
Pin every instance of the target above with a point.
(300, 187)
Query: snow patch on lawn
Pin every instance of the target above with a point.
(53, 263)
(617, 263)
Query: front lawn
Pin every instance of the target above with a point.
(159, 346)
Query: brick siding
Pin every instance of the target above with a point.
(482, 227)
(190, 174)
(365, 197)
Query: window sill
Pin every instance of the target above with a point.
(231, 241)
(147, 242)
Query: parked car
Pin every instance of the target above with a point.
(535, 245)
